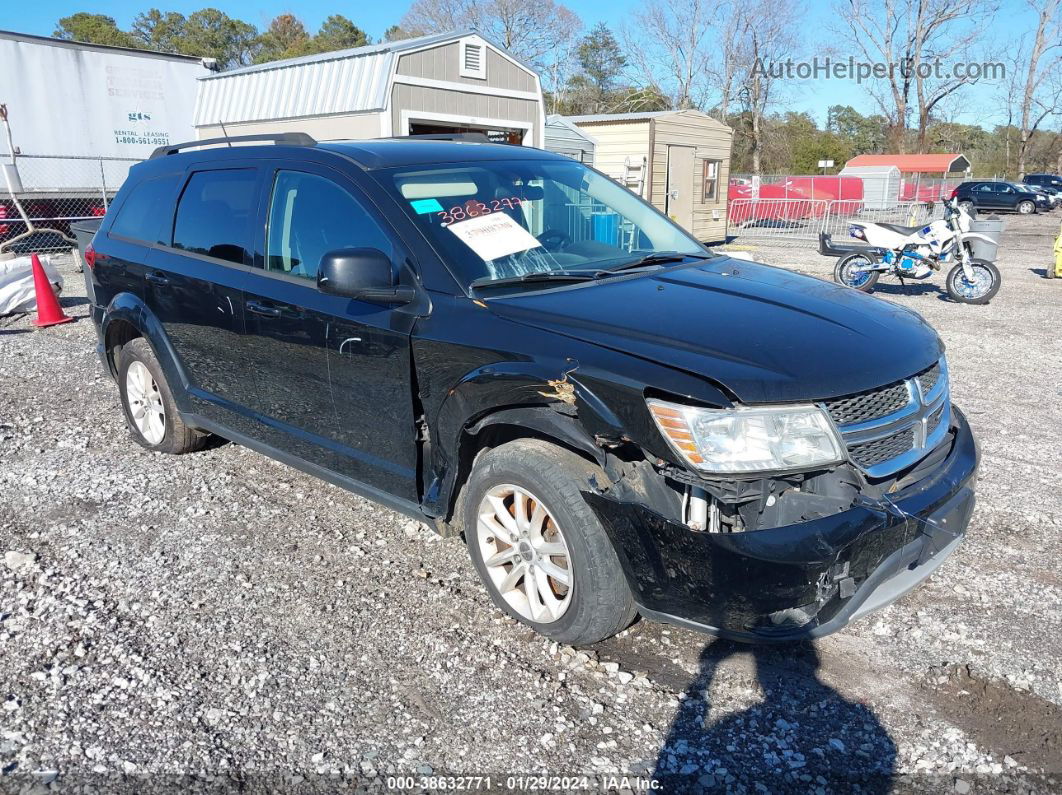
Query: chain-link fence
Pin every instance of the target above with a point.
(40, 195)
(802, 220)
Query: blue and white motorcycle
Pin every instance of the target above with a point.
(915, 252)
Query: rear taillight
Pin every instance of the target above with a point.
(954, 193)
(90, 256)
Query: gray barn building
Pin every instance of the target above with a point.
(451, 82)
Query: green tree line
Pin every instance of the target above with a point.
(210, 33)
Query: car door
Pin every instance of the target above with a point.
(1006, 196)
(334, 378)
(194, 284)
(984, 196)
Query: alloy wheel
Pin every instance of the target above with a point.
(977, 287)
(856, 271)
(524, 553)
(145, 403)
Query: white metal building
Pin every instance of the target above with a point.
(881, 185)
(451, 82)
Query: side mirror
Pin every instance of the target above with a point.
(365, 274)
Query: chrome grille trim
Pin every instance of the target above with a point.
(917, 427)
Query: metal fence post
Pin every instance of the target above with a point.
(103, 184)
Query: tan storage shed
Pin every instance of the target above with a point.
(450, 82)
(678, 160)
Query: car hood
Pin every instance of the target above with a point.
(763, 333)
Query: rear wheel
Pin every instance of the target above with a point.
(968, 206)
(853, 270)
(147, 403)
(1026, 207)
(978, 290)
(538, 547)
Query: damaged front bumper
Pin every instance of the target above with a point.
(804, 580)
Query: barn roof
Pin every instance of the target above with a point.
(343, 81)
(909, 164)
(605, 118)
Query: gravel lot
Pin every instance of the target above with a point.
(219, 621)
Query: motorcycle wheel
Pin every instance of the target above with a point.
(850, 271)
(981, 290)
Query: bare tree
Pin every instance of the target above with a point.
(917, 43)
(670, 45)
(1041, 95)
(764, 37)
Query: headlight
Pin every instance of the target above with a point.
(732, 441)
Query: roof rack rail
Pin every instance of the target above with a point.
(289, 138)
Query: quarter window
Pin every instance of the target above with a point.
(140, 217)
(213, 216)
(310, 216)
(711, 179)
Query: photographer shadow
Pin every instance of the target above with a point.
(803, 735)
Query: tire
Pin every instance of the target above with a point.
(960, 290)
(147, 402)
(846, 264)
(968, 206)
(1026, 207)
(597, 603)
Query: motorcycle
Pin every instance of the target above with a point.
(915, 252)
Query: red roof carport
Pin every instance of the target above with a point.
(915, 171)
(915, 164)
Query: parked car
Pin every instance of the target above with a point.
(509, 346)
(1053, 199)
(1052, 183)
(994, 195)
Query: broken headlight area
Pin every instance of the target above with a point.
(783, 555)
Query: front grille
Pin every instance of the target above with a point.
(927, 379)
(934, 420)
(881, 450)
(892, 427)
(869, 405)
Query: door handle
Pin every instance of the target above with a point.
(262, 309)
(157, 278)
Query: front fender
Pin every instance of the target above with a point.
(967, 235)
(546, 398)
(129, 308)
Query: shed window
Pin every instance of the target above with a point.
(711, 179)
(473, 60)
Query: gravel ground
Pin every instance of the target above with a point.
(219, 621)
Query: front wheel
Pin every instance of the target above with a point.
(1026, 207)
(539, 548)
(854, 271)
(978, 290)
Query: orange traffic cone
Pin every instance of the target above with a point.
(49, 313)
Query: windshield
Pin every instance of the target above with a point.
(495, 220)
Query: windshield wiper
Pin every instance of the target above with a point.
(659, 258)
(540, 276)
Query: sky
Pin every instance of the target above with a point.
(980, 104)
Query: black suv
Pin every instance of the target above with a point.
(512, 347)
(1052, 183)
(994, 195)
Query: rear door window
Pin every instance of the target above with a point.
(214, 214)
(310, 216)
(150, 204)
